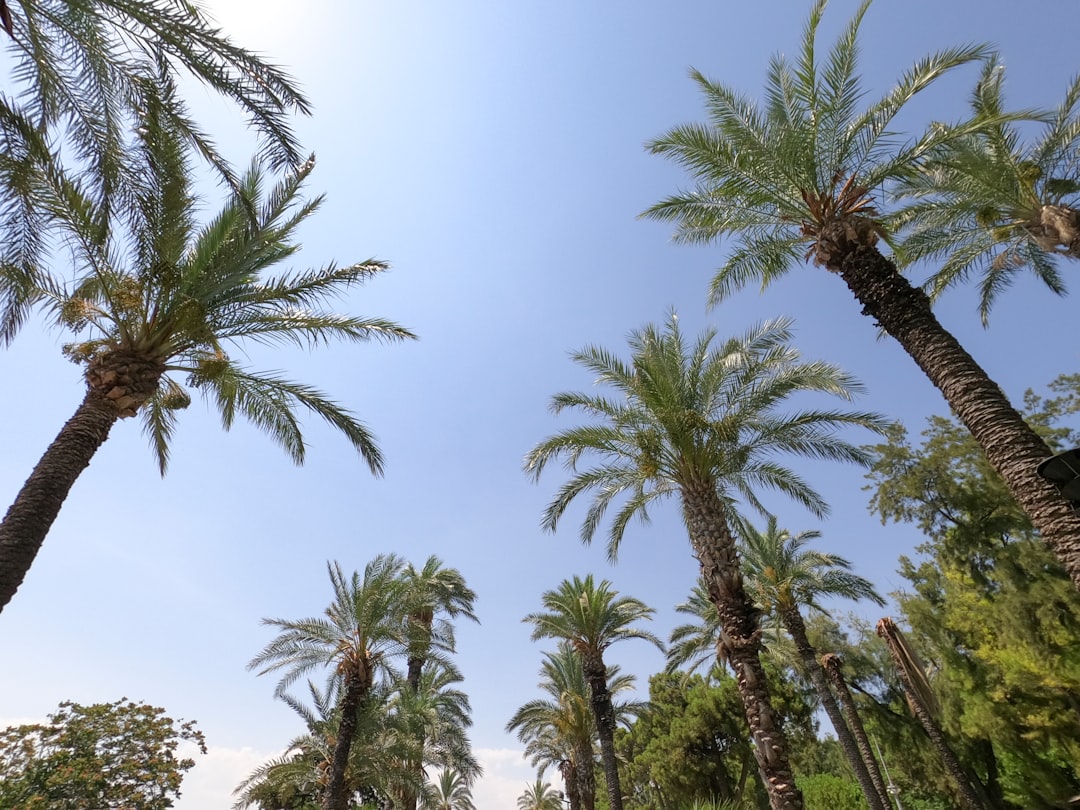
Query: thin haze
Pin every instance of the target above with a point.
(493, 152)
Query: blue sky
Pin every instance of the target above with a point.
(493, 153)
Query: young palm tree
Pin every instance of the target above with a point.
(782, 577)
(155, 295)
(539, 796)
(792, 179)
(591, 617)
(359, 637)
(991, 204)
(451, 792)
(704, 424)
(924, 705)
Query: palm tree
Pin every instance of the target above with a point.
(833, 666)
(156, 295)
(793, 179)
(560, 729)
(704, 424)
(784, 576)
(539, 796)
(359, 637)
(991, 204)
(699, 642)
(924, 705)
(451, 792)
(591, 617)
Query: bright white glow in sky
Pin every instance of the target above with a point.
(493, 152)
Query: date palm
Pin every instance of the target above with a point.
(451, 792)
(539, 796)
(783, 576)
(794, 178)
(358, 638)
(155, 295)
(705, 424)
(592, 616)
(993, 203)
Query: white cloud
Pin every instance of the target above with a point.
(506, 775)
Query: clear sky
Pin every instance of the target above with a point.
(493, 153)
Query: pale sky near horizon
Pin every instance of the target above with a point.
(493, 152)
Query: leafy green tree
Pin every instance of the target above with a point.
(451, 792)
(704, 423)
(783, 577)
(792, 178)
(155, 295)
(591, 617)
(539, 796)
(106, 756)
(824, 791)
(994, 203)
(359, 638)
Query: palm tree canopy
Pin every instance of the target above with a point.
(681, 414)
(782, 574)
(591, 616)
(791, 175)
(993, 203)
(697, 643)
(540, 796)
(432, 591)
(451, 793)
(153, 287)
(359, 635)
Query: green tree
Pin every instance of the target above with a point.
(824, 791)
(591, 617)
(783, 576)
(703, 423)
(156, 295)
(539, 796)
(993, 202)
(105, 756)
(451, 792)
(792, 179)
(360, 636)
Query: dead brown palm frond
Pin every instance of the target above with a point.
(910, 666)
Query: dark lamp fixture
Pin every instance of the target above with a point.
(1063, 471)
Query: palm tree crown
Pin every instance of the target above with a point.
(539, 796)
(991, 204)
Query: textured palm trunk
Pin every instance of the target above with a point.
(1011, 446)
(604, 712)
(568, 771)
(831, 664)
(38, 503)
(356, 689)
(970, 800)
(585, 778)
(416, 668)
(715, 550)
(793, 623)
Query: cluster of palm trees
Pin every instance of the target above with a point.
(799, 177)
(374, 732)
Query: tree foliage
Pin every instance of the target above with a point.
(96, 757)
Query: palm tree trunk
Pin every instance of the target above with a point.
(38, 503)
(715, 550)
(901, 657)
(416, 668)
(356, 689)
(793, 623)
(831, 664)
(596, 674)
(1011, 446)
(585, 779)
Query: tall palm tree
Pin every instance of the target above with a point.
(993, 203)
(924, 705)
(793, 179)
(156, 295)
(359, 638)
(560, 729)
(452, 792)
(704, 423)
(783, 576)
(833, 666)
(592, 616)
(539, 796)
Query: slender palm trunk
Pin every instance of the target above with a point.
(38, 503)
(357, 688)
(1011, 446)
(793, 623)
(584, 777)
(604, 712)
(412, 678)
(715, 550)
(831, 664)
(893, 640)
